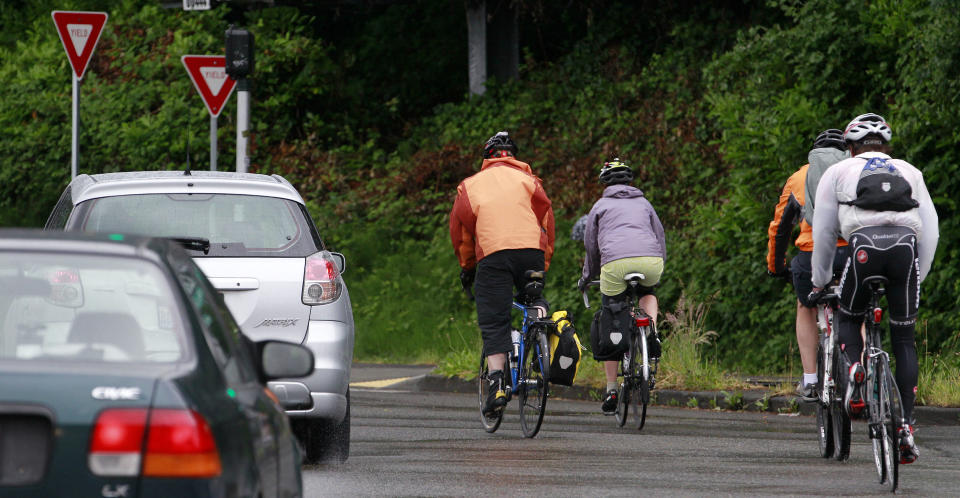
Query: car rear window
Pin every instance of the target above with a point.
(85, 308)
(235, 225)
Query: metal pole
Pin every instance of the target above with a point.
(213, 143)
(477, 45)
(243, 123)
(75, 138)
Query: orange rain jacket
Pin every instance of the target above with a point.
(503, 206)
(789, 211)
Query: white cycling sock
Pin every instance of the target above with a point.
(809, 379)
(612, 386)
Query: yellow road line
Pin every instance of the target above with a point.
(377, 384)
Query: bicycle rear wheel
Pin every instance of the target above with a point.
(641, 392)
(623, 396)
(892, 407)
(534, 383)
(824, 421)
(840, 420)
(490, 423)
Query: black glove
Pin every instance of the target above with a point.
(815, 296)
(467, 277)
(784, 274)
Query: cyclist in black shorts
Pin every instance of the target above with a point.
(793, 208)
(881, 206)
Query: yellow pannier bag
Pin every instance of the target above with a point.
(564, 350)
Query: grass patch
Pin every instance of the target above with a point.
(938, 383)
(683, 365)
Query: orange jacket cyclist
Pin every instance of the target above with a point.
(794, 204)
(501, 226)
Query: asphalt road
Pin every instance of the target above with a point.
(408, 443)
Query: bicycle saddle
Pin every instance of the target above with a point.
(876, 281)
(633, 278)
(534, 286)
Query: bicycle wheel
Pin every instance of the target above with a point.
(892, 420)
(840, 420)
(490, 423)
(534, 383)
(641, 391)
(623, 396)
(824, 422)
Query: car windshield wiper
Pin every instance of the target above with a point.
(193, 243)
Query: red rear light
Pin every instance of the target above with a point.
(321, 282)
(116, 442)
(65, 277)
(179, 443)
(877, 314)
(643, 322)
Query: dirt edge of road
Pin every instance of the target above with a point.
(758, 400)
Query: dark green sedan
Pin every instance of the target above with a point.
(122, 374)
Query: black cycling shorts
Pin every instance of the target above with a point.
(801, 268)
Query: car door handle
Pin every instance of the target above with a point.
(234, 283)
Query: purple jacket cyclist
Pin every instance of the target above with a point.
(623, 235)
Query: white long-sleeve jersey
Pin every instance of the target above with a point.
(839, 184)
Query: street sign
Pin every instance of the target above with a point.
(209, 76)
(196, 4)
(79, 33)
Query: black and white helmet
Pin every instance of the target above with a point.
(497, 143)
(867, 124)
(830, 138)
(615, 173)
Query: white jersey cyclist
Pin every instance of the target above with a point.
(838, 185)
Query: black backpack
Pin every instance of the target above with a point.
(610, 331)
(883, 188)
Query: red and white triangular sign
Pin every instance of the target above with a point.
(79, 32)
(209, 76)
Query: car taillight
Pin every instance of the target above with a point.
(66, 289)
(117, 439)
(321, 282)
(179, 443)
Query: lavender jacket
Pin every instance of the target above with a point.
(621, 224)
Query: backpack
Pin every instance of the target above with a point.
(564, 351)
(610, 331)
(883, 188)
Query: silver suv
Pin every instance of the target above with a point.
(253, 238)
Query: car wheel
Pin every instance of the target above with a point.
(324, 441)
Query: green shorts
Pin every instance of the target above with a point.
(611, 274)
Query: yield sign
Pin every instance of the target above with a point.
(79, 32)
(209, 76)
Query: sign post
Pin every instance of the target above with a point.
(209, 76)
(79, 33)
(239, 53)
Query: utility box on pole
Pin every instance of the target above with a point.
(239, 57)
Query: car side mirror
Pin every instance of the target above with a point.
(340, 260)
(279, 359)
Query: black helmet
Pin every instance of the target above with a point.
(498, 142)
(615, 173)
(830, 138)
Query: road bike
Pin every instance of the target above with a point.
(883, 405)
(833, 424)
(529, 363)
(637, 369)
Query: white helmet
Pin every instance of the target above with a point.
(867, 124)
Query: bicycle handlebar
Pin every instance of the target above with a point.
(586, 300)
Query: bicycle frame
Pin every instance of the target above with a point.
(828, 340)
(526, 341)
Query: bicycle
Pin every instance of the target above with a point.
(529, 363)
(833, 425)
(883, 405)
(637, 369)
